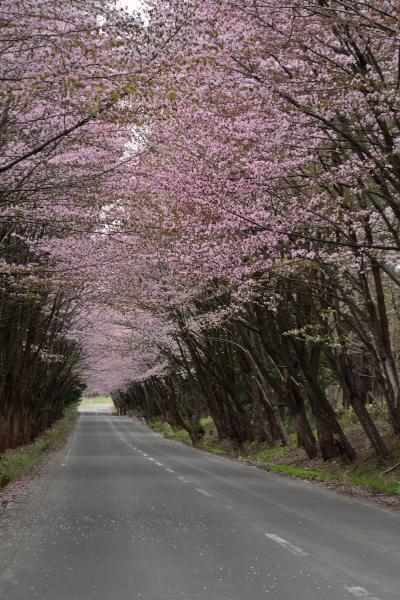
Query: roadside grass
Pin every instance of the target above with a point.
(268, 455)
(166, 430)
(367, 472)
(302, 473)
(376, 482)
(19, 461)
(220, 448)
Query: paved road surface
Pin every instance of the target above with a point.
(122, 514)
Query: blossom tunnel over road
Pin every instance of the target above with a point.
(200, 217)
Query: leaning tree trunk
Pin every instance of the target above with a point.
(345, 371)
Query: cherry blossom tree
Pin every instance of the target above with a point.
(273, 160)
(213, 186)
(61, 146)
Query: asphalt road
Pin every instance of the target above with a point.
(121, 513)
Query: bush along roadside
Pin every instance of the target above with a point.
(15, 463)
(289, 461)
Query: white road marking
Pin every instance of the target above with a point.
(204, 492)
(360, 592)
(159, 464)
(285, 544)
(183, 479)
(144, 454)
(170, 470)
(149, 458)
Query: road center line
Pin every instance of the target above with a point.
(204, 492)
(360, 592)
(170, 470)
(183, 479)
(159, 464)
(285, 544)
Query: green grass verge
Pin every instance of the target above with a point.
(169, 432)
(268, 456)
(375, 482)
(19, 461)
(303, 473)
(215, 448)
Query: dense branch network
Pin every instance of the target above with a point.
(224, 222)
